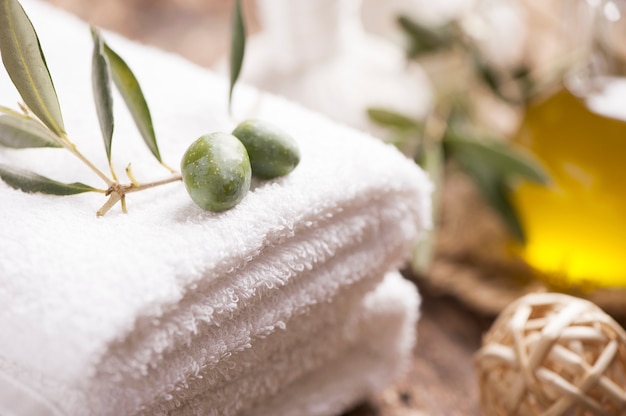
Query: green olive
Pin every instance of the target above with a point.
(216, 171)
(272, 152)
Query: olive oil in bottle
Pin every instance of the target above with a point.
(576, 226)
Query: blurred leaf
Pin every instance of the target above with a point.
(101, 85)
(20, 132)
(392, 119)
(494, 190)
(432, 161)
(503, 160)
(490, 181)
(31, 182)
(487, 74)
(25, 63)
(409, 142)
(521, 71)
(523, 76)
(237, 48)
(499, 82)
(424, 39)
(129, 88)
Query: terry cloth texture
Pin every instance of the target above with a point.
(277, 306)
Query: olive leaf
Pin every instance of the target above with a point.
(7, 110)
(392, 119)
(20, 132)
(26, 65)
(487, 73)
(237, 48)
(491, 166)
(129, 88)
(425, 39)
(31, 182)
(504, 160)
(496, 192)
(101, 85)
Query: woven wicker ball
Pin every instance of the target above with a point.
(553, 354)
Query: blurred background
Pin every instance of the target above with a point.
(514, 107)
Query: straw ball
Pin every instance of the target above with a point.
(551, 354)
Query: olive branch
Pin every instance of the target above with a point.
(215, 179)
(40, 121)
(490, 162)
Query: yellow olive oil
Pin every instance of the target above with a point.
(576, 226)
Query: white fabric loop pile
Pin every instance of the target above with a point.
(286, 304)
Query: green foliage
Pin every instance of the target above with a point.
(31, 182)
(214, 179)
(101, 85)
(25, 63)
(512, 85)
(237, 48)
(504, 159)
(128, 86)
(387, 118)
(20, 132)
(424, 39)
(494, 166)
(431, 159)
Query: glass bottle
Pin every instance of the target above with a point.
(576, 226)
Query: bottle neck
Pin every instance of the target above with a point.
(302, 32)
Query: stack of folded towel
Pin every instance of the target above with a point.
(287, 304)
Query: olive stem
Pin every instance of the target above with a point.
(113, 199)
(129, 173)
(166, 166)
(123, 201)
(65, 141)
(113, 174)
(117, 192)
(134, 188)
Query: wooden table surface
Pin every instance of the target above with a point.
(441, 380)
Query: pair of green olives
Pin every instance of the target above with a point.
(217, 167)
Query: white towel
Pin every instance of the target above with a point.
(170, 309)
